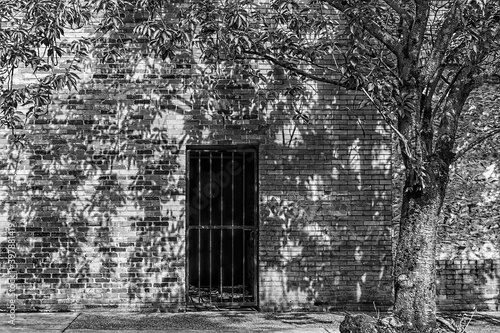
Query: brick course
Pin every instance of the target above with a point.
(464, 284)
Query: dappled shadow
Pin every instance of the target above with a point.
(468, 285)
(325, 233)
(98, 197)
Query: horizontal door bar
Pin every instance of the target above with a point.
(221, 148)
(229, 227)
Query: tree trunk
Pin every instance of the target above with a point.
(414, 269)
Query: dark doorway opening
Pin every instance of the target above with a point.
(222, 226)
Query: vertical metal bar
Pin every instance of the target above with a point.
(199, 224)
(244, 222)
(221, 216)
(188, 202)
(210, 231)
(232, 227)
(255, 225)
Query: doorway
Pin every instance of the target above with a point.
(222, 228)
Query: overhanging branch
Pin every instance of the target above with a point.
(300, 71)
(402, 138)
(443, 38)
(400, 10)
(371, 27)
(476, 142)
(492, 79)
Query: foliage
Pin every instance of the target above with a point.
(32, 36)
(472, 204)
(407, 59)
(35, 37)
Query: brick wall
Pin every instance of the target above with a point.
(95, 200)
(325, 235)
(468, 284)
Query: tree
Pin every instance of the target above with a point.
(470, 222)
(415, 61)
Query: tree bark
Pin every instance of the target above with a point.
(414, 269)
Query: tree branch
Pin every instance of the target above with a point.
(390, 123)
(444, 36)
(492, 79)
(371, 27)
(475, 142)
(312, 63)
(400, 10)
(448, 89)
(299, 71)
(415, 34)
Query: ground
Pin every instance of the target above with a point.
(220, 321)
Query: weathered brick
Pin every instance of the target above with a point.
(104, 182)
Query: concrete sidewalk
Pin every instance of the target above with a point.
(217, 321)
(99, 321)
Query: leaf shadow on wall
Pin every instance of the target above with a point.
(97, 201)
(330, 243)
(99, 206)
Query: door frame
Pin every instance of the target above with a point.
(239, 148)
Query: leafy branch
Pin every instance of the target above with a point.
(473, 143)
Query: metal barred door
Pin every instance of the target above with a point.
(222, 226)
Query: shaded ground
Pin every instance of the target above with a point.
(223, 320)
